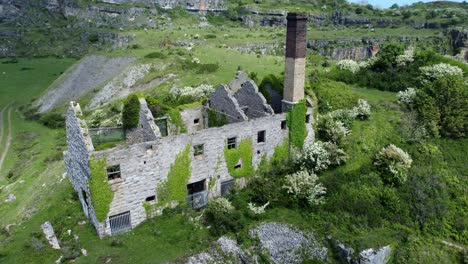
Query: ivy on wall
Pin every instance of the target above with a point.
(176, 119)
(101, 192)
(215, 119)
(175, 188)
(243, 154)
(131, 112)
(296, 124)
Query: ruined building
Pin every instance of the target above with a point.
(137, 169)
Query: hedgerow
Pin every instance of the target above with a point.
(296, 124)
(101, 192)
(242, 153)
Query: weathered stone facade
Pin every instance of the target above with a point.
(144, 165)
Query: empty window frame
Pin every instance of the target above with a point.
(238, 166)
(307, 119)
(198, 150)
(150, 198)
(261, 136)
(283, 124)
(196, 121)
(113, 172)
(232, 143)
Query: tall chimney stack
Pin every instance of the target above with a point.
(295, 59)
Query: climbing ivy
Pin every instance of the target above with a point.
(175, 188)
(101, 192)
(215, 119)
(131, 112)
(244, 154)
(296, 124)
(176, 119)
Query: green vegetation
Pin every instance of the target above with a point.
(242, 155)
(215, 119)
(101, 192)
(296, 123)
(131, 112)
(176, 120)
(177, 178)
(333, 95)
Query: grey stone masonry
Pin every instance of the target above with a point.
(252, 101)
(193, 119)
(225, 103)
(146, 130)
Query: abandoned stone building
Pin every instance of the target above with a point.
(136, 167)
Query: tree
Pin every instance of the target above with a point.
(131, 112)
(388, 55)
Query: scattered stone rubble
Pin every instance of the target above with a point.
(286, 244)
(50, 235)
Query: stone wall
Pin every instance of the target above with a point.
(146, 130)
(77, 161)
(252, 101)
(224, 103)
(190, 115)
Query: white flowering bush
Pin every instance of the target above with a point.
(196, 60)
(257, 209)
(330, 129)
(368, 63)
(315, 157)
(221, 204)
(406, 58)
(195, 93)
(349, 65)
(393, 164)
(305, 185)
(336, 155)
(407, 96)
(362, 110)
(434, 72)
(346, 116)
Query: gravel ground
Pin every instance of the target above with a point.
(285, 244)
(86, 75)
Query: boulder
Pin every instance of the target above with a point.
(50, 235)
(375, 256)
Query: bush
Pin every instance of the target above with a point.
(393, 164)
(131, 112)
(222, 217)
(304, 185)
(315, 157)
(332, 130)
(333, 95)
(362, 110)
(210, 36)
(155, 55)
(52, 120)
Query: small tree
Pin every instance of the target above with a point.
(131, 112)
(393, 164)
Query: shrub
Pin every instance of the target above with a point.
(348, 65)
(333, 95)
(176, 120)
(332, 130)
(315, 157)
(131, 112)
(52, 120)
(362, 110)
(101, 192)
(407, 96)
(215, 119)
(222, 217)
(155, 55)
(257, 209)
(434, 72)
(304, 185)
(345, 116)
(443, 103)
(336, 155)
(393, 164)
(275, 82)
(210, 36)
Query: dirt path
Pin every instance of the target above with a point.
(1, 125)
(8, 139)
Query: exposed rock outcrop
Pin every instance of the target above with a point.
(50, 235)
(375, 256)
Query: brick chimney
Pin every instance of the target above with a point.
(296, 44)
